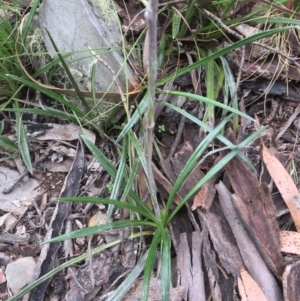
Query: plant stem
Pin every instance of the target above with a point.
(151, 14)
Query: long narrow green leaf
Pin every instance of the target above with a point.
(149, 264)
(112, 171)
(100, 229)
(165, 265)
(50, 65)
(161, 51)
(191, 163)
(70, 76)
(120, 292)
(213, 171)
(276, 20)
(34, 7)
(209, 129)
(49, 112)
(8, 145)
(176, 19)
(22, 143)
(231, 84)
(93, 87)
(138, 148)
(135, 117)
(119, 178)
(47, 92)
(101, 158)
(95, 200)
(209, 101)
(206, 178)
(130, 182)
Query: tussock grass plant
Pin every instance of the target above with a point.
(135, 154)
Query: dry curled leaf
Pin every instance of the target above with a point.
(284, 183)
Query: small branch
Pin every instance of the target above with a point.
(177, 138)
(240, 37)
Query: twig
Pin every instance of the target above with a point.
(240, 37)
(177, 138)
(77, 282)
(132, 21)
(288, 123)
(195, 77)
(292, 60)
(221, 23)
(239, 76)
(90, 262)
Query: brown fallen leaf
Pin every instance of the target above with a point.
(284, 183)
(199, 198)
(290, 242)
(99, 218)
(248, 288)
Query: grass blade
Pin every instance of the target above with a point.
(22, 143)
(192, 162)
(49, 112)
(165, 274)
(119, 178)
(47, 92)
(209, 101)
(137, 115)
(34, 7)
(100, 229)
(8, 145)
(107, 165)
(209, 129)
(214, 170)
(119, 293)
(94, 200)
(149, 264)
(70, 76)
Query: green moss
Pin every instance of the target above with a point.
(106, 9)
(35, 48)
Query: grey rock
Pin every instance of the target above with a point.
(75, 24)
(19, 273)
